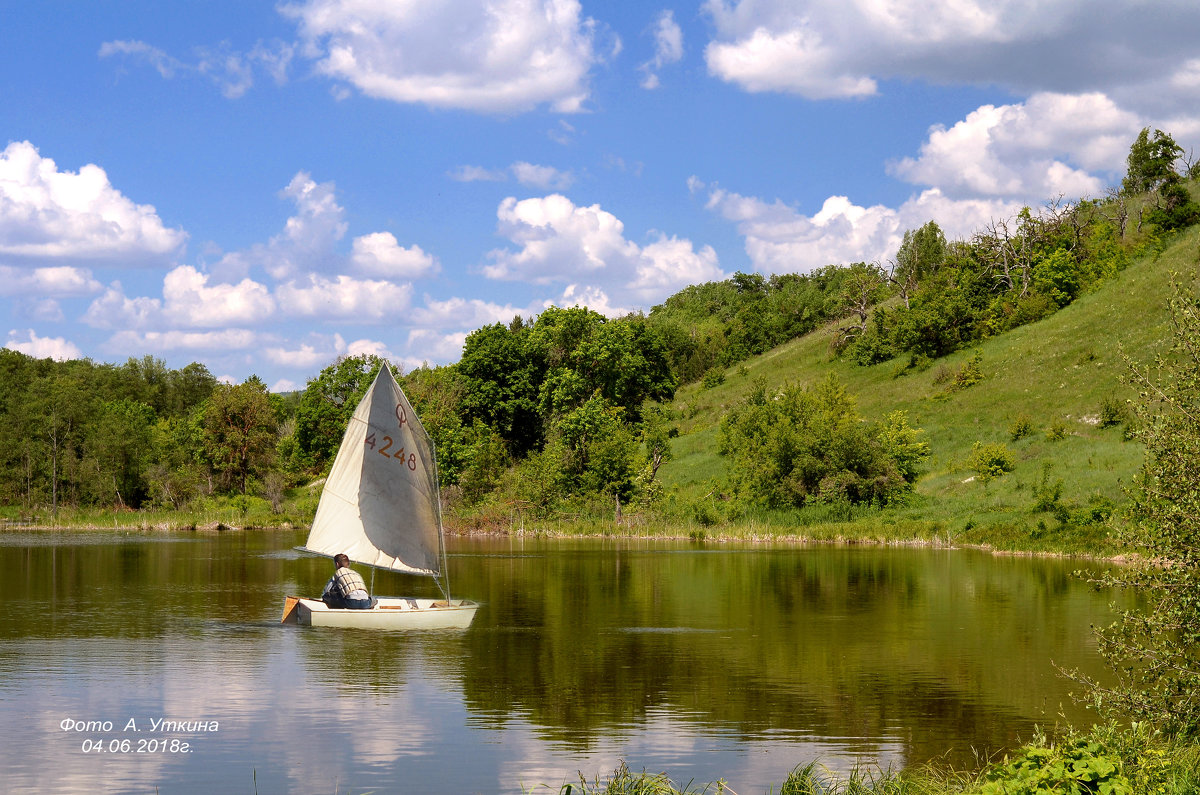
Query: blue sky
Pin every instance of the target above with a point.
(265, 187)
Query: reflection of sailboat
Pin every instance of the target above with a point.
(381, 507)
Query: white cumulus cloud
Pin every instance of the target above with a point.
(30, 344)
(780, 239)
(670, 263)
(561, 242)
(434, 346)
(308, 240)
(190, 301)
(793, 55)
(494, 56)
(589, 297)
(47, 214)
(1048, 145)
(379, 254)
(304, 356)
(134, 342)
(459, 313)
(343, 298)
(558, 240)
(366, 347)
(1137, 53)
(320, 351)
(60, 281)
(115, 310)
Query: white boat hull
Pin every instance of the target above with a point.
(389, 612)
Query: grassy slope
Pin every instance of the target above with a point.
(1060, 367)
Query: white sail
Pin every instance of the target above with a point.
(380, 502)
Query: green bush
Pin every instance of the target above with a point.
(1112, 412)
(810, 446)
(967, 375)
(1057, 430)
(990, 460)
(970, 373)
(1047, 495)
(714, 376)
(1021, 427)
(1097, 511)
(1106, 760)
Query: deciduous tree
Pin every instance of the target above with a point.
(239, 426)
(863, 287)
(920, 254)
(502, 375)
(121, 443)
(1151, 161)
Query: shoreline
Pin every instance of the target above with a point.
(705, 536)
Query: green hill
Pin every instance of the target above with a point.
(1061, 370)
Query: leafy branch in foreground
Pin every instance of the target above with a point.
(1155, 649)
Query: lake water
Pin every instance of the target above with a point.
(702, 661)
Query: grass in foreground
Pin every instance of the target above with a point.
(1106, 760)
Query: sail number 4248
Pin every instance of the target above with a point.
(385, 450)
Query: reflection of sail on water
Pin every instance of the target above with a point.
(380, 503)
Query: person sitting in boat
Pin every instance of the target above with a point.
(346, 588)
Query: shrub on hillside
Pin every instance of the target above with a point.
(990, 460)
(810, 446)
(1112, 412)
(714, 376)
(970, 373)
(1020, 427)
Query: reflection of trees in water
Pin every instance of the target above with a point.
(136, 584)
(936, 649)
(932, 649)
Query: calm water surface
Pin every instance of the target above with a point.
(706, 662)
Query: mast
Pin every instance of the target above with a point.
(437, 494)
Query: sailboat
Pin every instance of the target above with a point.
(381, 507)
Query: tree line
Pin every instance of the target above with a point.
(570, 410)
(939, 296)
(566, 406)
